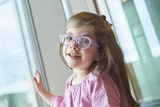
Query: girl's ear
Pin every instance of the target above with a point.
(99, 57)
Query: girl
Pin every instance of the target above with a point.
(100, 78)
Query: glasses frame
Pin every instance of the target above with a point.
(76, 40)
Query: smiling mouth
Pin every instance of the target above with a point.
(73, 55)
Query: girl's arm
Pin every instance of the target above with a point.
(40, 88)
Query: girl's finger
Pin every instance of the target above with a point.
(38, 75)
(35, 80)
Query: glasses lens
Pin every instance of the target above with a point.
(66, 39)
(83, 42)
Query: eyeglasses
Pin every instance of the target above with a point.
(82, 42)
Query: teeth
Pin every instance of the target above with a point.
(73, 55)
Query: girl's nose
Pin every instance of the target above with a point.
(73, 45)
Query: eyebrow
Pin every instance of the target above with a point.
(90, 36)
(87, 35)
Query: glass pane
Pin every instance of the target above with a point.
(16, 88)
(137, 24)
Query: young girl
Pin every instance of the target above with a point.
(100, 77)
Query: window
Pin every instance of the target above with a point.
(136, 24)
(16, 59)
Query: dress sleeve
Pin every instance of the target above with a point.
(60, 101)
(57, 101)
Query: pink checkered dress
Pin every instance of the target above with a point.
(94, 91)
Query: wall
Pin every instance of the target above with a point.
(49, 20)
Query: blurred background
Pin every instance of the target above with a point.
(29, 32)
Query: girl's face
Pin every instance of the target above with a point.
(76, 57)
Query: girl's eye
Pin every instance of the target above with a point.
(69, 38)
(84, 40)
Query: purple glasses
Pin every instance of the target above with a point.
(82, 42)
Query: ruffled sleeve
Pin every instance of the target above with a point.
(60, 101)
(57, 101)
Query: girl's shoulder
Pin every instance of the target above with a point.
(105, 80)
(96, 76)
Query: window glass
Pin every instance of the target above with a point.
(16, 63)
(137, 24)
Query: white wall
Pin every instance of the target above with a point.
(49, 21)
(82, 5)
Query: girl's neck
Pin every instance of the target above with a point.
(79, 76)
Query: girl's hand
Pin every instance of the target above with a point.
(38, 82)
(40, 88)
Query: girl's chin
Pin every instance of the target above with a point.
(71, 66)
(77, 67)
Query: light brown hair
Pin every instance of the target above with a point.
(110, 54)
